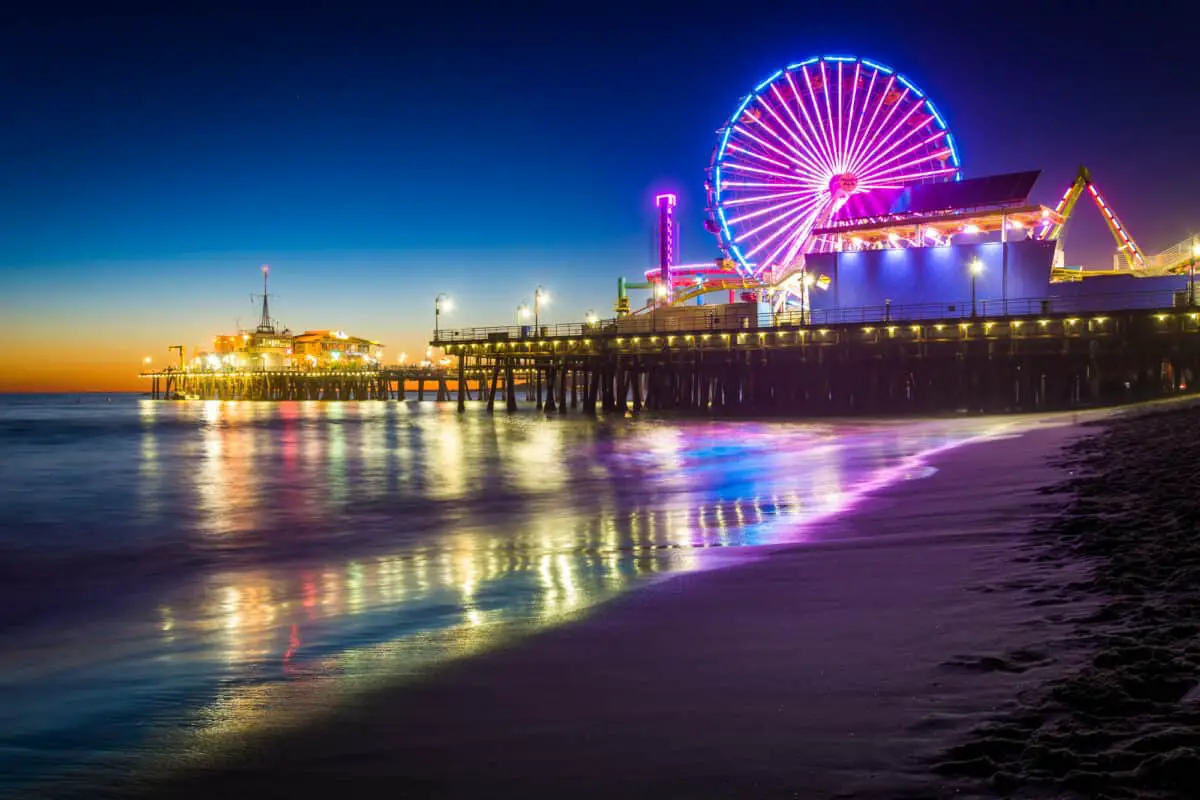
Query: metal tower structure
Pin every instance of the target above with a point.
(265, 325)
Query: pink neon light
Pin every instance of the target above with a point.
(837, 131)
(768, 145)
(669, 197)
(765, 198)
(810, 129)
(758, 155)
(925, 142)
(782, 229)
(831, 134)
(793, 178)
(853, 98)
(791, 213)
(872, 132)
(809, 146)
(859, 135)
(824, 134)
(887, 136)
(768, 210)
(804, 158)
(872, 158)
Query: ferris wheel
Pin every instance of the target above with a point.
(807, 139)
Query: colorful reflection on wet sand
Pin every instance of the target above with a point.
(181, 575)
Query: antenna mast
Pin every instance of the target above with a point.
(264, 324)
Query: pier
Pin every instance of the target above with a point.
(383, 383)
(1039, 356)
(1044, 354)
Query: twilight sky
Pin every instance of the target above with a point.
(153, 159)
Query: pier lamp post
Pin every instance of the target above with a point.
(1192, 272)
(590, 318)
(442, 301)
(976, 269)
(523, 313)
(539, 296)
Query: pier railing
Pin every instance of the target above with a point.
(389, 370)
(698, 319)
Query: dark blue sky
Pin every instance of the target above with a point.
(154, 158)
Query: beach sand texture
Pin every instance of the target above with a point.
(1126, 724)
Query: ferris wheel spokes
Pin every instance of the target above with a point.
(797, 149)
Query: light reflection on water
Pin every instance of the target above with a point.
(180, 572)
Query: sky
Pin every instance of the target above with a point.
(155, 157)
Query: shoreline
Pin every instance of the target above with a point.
(704, 683)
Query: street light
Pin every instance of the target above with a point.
(440, 302)
(976, 268)
(590, 318)
(523, 313)
(539, 296)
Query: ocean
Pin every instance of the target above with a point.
(179, 577)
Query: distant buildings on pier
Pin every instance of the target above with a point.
(271, 349)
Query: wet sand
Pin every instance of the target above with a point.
(844, 667)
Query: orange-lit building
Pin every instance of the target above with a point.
(281, 350)
(336, 348)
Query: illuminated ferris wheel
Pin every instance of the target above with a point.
(804, 142)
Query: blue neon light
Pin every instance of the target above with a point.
(840, 58)
(742, 107)
(880, 67)
(912, 88)
(938, 117)
(767, 82)
(953, 149)
(812, 60)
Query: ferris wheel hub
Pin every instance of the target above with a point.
(843, 185)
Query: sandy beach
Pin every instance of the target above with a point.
(862, 664)
(1126, 724)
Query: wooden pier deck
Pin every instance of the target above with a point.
(1018, 362)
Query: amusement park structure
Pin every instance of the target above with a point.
(832, 159)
